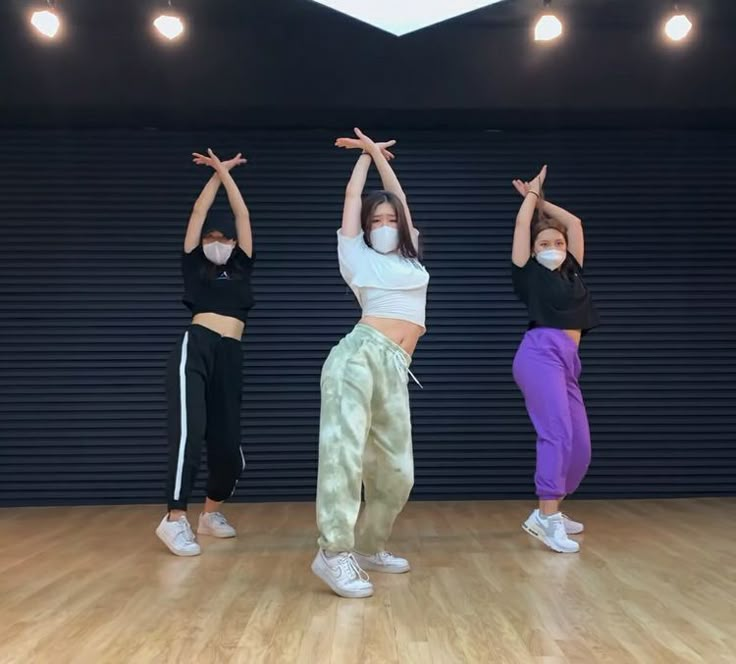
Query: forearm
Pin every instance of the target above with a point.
(234, 197)
(353, 197)
(520, 250)
(240, 212)
(389, 180)
(566, 218)
(526, 211)
(357, 181)
(207, 196)
(199, 213)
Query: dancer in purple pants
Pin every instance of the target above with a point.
(547, 272)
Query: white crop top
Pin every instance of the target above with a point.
(385, 285)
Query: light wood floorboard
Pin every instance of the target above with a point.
(655, 583)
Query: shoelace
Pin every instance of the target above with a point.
(218, 518)
(350, 565)
(558, 526)
(185, 531)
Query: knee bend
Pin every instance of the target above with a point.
(401, 484)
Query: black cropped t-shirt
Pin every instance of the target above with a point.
(555, 298)
(219, 289)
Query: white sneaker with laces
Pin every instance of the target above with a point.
(383, 561)
(551, 531)
(572, 527)
(342, 574)
(215, 524)
(178, 536)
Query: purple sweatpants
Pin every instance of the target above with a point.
(546, 369)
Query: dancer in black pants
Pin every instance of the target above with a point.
(204, 379)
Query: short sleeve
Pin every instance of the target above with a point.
(520, 280)
(241, 259)
(415, 238)
(350, 251)
(191, 261)
(575, 264)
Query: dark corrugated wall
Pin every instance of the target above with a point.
(92, 224)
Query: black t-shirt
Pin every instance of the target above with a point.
(219, 289)
(555, 298)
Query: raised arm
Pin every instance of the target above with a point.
(354, 190)
(240, 211)
(521, 248)
(353, 197)
(573, 225)
(199, 213)
(389, 180)
(235, 198)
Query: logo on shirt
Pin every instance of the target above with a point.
(223, 275)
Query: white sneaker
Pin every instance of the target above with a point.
(383, 561)
(342, 574)
(215, 524)
(572, 527)
(551, 531)
(178, 536)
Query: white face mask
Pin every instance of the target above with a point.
(385, 239)
(551, 258)
(218, 252)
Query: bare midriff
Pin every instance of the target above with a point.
(225, 326)
(401, 332)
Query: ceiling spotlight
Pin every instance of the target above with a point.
(678, 26)
(548, 27)
(46, 21)
(169, 25)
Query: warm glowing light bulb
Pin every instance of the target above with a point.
(678, 27)
(548, 28)
(46, 22)
(170, 27)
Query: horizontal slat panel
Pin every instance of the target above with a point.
(90, 298)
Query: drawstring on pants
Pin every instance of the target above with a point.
(401, 366)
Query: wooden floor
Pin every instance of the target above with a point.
(655, 582)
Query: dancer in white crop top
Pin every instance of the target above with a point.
(365, 424)
(378, 250)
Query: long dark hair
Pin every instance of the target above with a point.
(542, 222)
(370, 203)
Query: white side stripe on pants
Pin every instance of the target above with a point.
(183, 415)
(242, 460)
